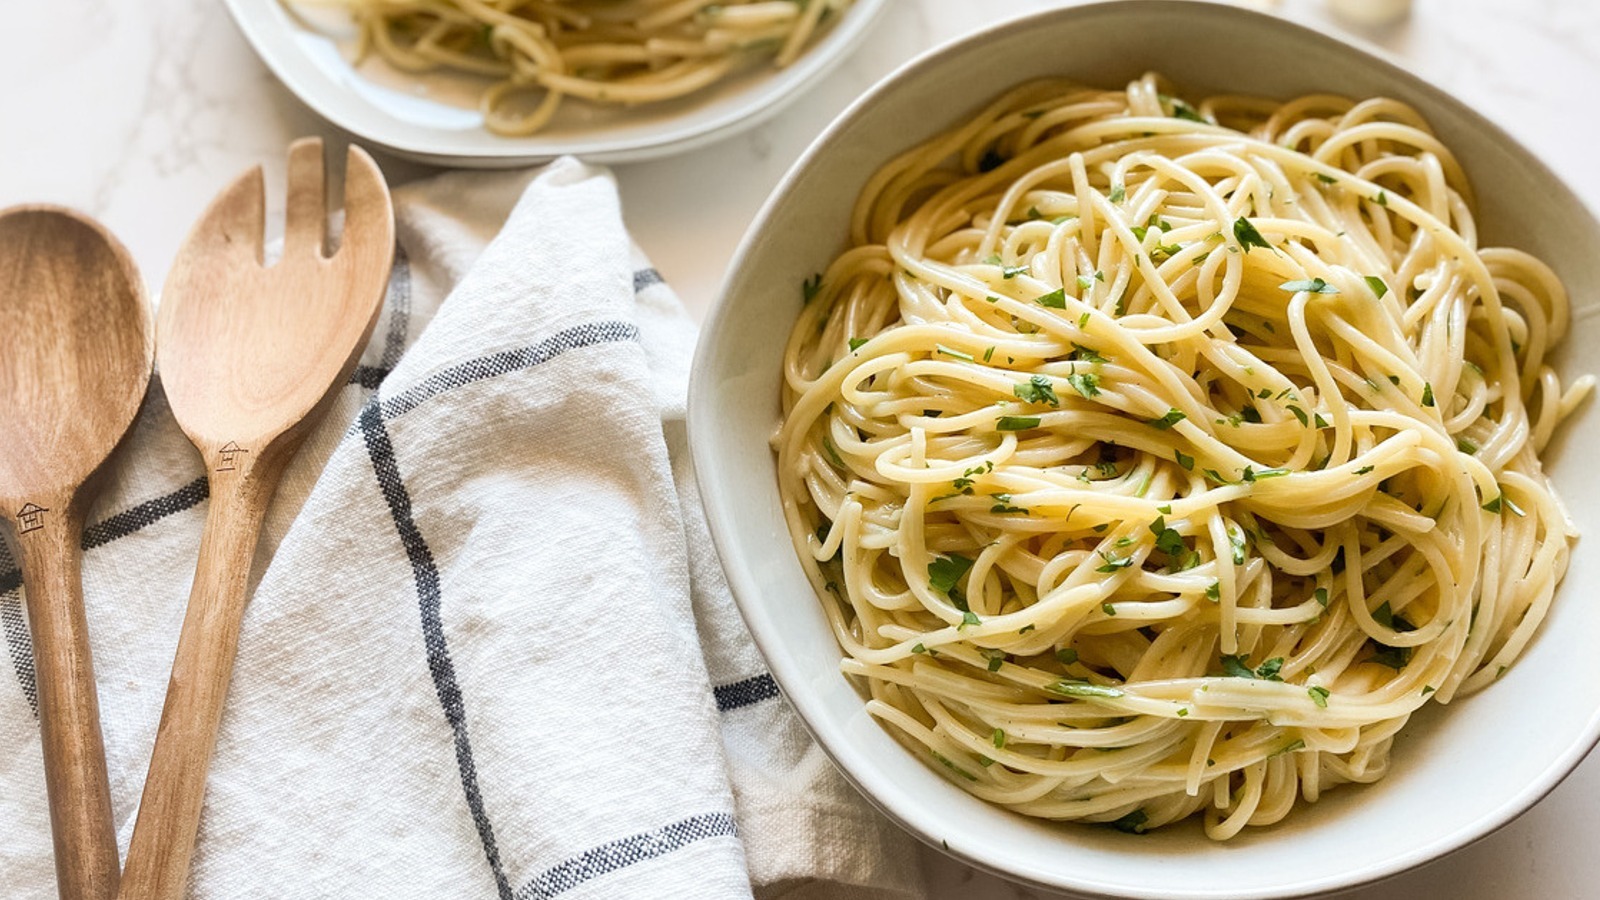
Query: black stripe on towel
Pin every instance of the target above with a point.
(507, 361)
(19, 645)
(620, 854)
(429, 599)
(398, 303)
(748, 692)
(645, 278)
(424, 570)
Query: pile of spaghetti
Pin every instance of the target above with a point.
(620, 52)
(1153, 457)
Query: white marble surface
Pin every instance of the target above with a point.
(139, 112)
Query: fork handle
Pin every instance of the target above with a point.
(69, 709)
(174, 790)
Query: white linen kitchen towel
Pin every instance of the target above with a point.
(489, 653)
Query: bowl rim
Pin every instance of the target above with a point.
(885, 796)
(275, 45)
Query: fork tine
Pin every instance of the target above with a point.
(305, 225)
(234, 222)
(368, 215)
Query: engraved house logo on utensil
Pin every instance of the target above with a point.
(30, 518)
(229, 457)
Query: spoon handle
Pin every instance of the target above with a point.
(174, 790)
(69, 708)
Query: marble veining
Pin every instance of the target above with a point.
(139, 112)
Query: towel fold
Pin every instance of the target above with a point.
(489, 652)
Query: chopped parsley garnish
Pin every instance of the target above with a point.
(1085, 383)
(1016, 423)
(1010, 272)
(1427, 394)
(988, 354)
(833, 454)
(855, 344)
(952, 766)
(1319, 695)
(940, 348)
(1056, 299)
(968, 618)
(1466, 446)
(1314, 285)
(1305, 421)
(1085, 282)
(1382, 199)
(1325, 179)
(1037, 390)
(1108, 609)
(1321, 596)
(1168, 540)
(1248, 236)
(1067, 656)
(918, 648)
(1118, 192)
(1184, 460)
(945, 571)
(1081, 353)
(1290, 747)
(997, 658)
(1136, 821)
(1173, 417)
(1364, 470)
(1214, 591)
(1113, 562)
(1074, 687)
(1377, 285)
(1238, 666)
(1495, 505)
(999, 738)
(1236, 541)
(811, 287)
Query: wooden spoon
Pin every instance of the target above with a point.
(72, 375)
(249, 358)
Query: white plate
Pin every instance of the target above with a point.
(1457, 773)
(433, 117)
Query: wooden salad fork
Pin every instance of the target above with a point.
(250, 357)
(73, 374)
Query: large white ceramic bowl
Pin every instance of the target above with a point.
(433, 117)
(1458, 773)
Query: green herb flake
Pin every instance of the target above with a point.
(1248, 236)
(1083, 321)
(999, 738)
(946, 571)
(1214, 591)
(1173, 417)
(1319, 695)
(855, 344)
(1377, 285)
(1364, 470)
(1325, 179)
(1085, 282)
(833, 454)
(1066, 656)
(1314, 286)
(1108, 609)
(957, 354)
(1427, 689)
(1118, 192)
(1382, 199)
(1056, 299)
(1305, 420)
(988, 354)
(1074, 687)
(1291, 747)
(952, 766)
(1427, 394)
(1321, 596)
(811, 287)
(1466, 446)
(1495, 505)
(1016, 423)
(1112, 563)
(1085, 383)
(1037, 389)
(919, 649)
(969, 618)
(1184, 460)
(1136, 822)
